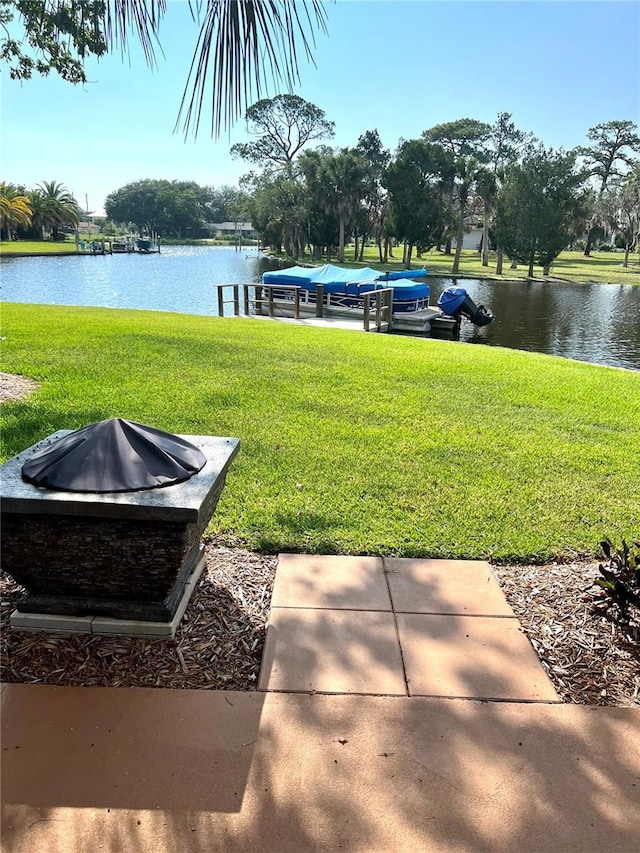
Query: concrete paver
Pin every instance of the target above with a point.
(467, 587)
(454, 632)
(333, 651)
(472, 657)
(162, 771)
(337, 582)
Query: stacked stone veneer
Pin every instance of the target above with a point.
(128, 556)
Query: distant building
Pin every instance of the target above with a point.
(472, 239)
(229, 229)
(87, 227)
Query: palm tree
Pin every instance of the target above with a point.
(38, 223)
(58, 207)
(337, 180)
(14, 209)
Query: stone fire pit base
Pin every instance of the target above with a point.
(61, 624)
(114, 558)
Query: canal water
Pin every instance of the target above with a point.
(599, 323)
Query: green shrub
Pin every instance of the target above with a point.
(620, 579)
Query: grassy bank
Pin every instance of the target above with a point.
(37, 247)
(604, 267)
(352, 443)
(48, 247)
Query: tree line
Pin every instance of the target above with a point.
(533, 201)
(168, 208)
(174, 208)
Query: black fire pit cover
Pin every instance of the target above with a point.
(114, 456)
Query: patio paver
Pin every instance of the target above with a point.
(332, 651)
(368, 625)
(474, 657)
(337, 582)
(445, 586)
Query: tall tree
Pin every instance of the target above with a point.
(540, 207)
(377, 158)
(283, 126)
(466, 140)
(619, 207)
(239, 46)
(277, 206)
(38, 224)
(58, 208)
(419, 180)
(487, 191)
(613, 145)
(506, 143)
(337, 180)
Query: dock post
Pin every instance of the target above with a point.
(296, 303)
(245, 294)
(220, 301)
(270, 295)
(319, 300)
(367, 307)
(236, 301)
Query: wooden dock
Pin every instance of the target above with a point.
(282, 302)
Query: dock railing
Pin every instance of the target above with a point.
(382, 309)
(377, 305)
(264, 294)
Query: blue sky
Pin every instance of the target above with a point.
(401, 67)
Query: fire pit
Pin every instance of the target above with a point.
(93, 560)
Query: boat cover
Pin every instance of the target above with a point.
(351, 281)
(451, 299)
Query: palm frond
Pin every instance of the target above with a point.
(141, 16)
(240, 43)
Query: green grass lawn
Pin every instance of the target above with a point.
(37, 247)
(352, 443)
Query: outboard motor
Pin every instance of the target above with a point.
(456, 302)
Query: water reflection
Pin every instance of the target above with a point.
(590, 322)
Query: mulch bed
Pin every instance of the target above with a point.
(218, 645)
(589, 656)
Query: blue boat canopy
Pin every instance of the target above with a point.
(351, 281)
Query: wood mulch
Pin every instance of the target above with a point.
(218, 644)
(589, 657)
